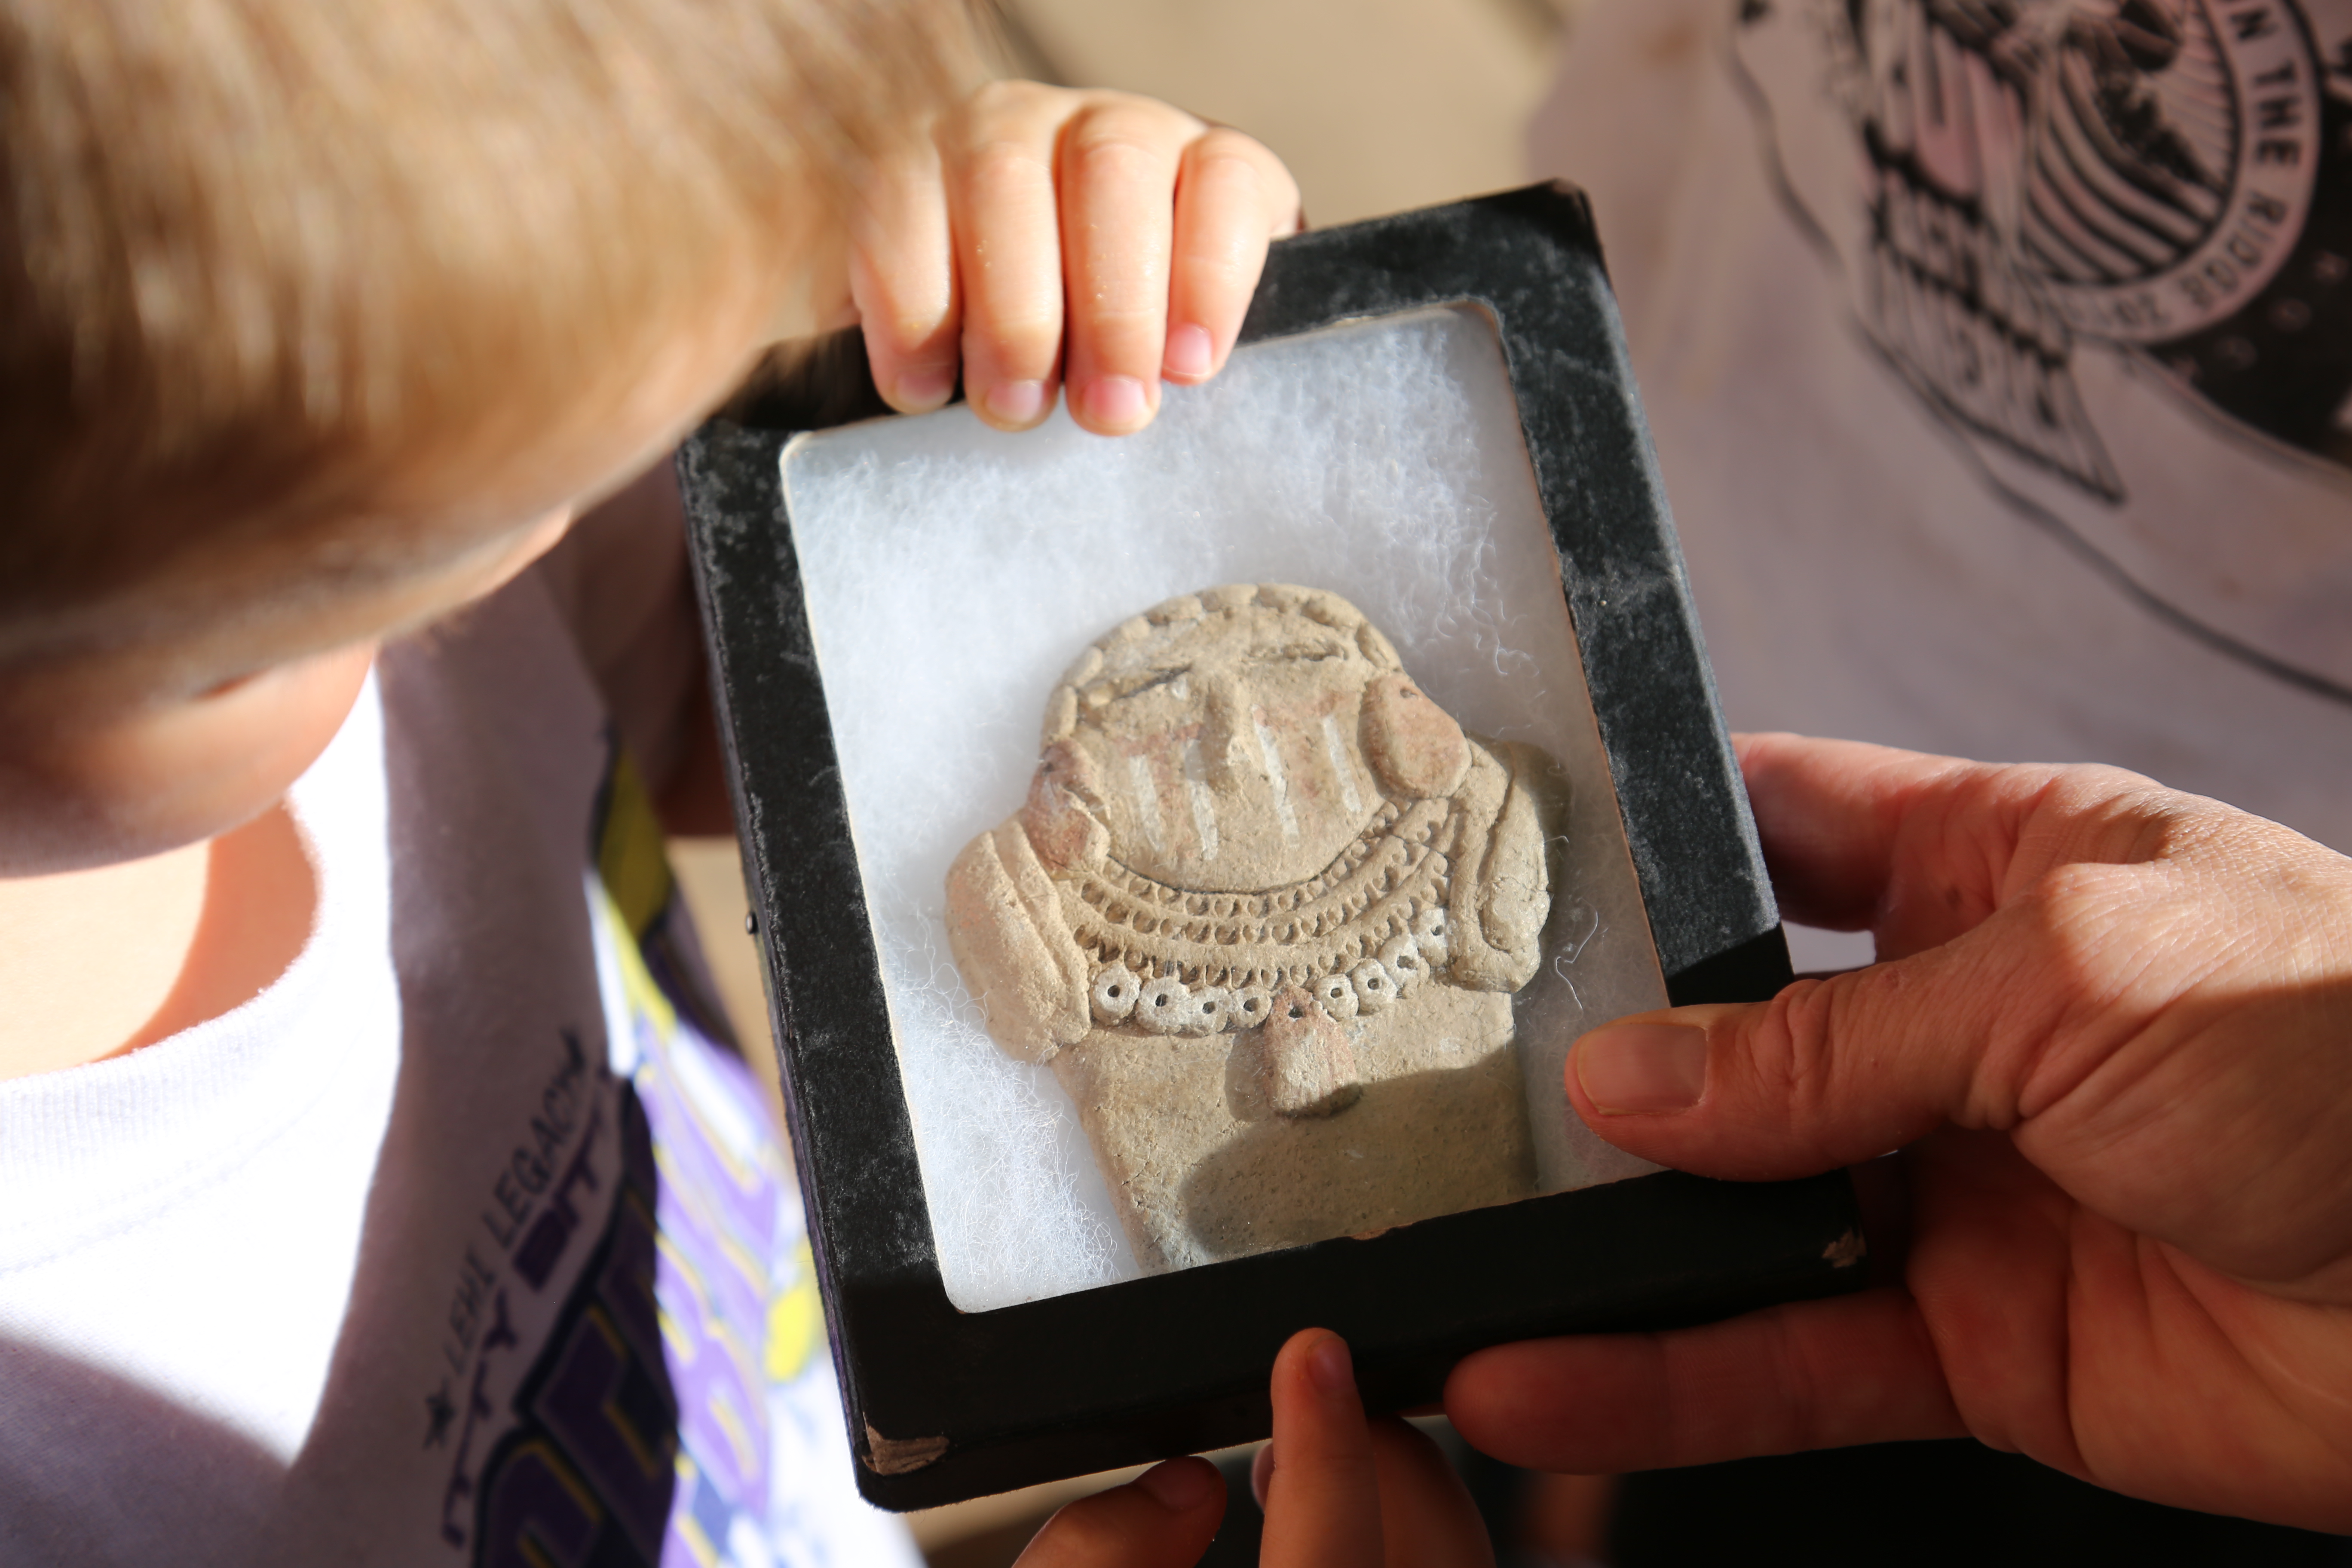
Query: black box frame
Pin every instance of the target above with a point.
(944, 1405)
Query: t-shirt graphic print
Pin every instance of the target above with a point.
(645, 1335)
(2108, 243)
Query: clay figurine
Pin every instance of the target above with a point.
(1262, 911)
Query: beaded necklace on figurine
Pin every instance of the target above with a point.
(1358, 934)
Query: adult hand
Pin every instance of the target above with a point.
(2110, 1032)
(1338, 1492)
(1048, 235)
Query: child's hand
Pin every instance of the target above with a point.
(1339, 1492)
(1151, 224)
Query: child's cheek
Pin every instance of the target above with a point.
(160, 778)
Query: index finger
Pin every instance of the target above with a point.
(1817, 1375)
(1233, 197)
(903, 280)
(1921, 849)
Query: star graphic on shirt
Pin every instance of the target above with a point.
(439, 1411)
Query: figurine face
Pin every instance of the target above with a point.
(1225, 749)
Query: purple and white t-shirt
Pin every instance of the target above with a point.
(470, 1241)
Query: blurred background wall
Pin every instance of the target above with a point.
(1377, 105)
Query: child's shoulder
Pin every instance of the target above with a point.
(481, 1216)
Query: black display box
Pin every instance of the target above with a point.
(945, 1404)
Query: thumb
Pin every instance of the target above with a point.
(1999, 888)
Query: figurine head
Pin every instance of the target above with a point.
(1235, 741)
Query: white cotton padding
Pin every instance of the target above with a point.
(952, 572)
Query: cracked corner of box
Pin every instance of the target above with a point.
(898, 1456)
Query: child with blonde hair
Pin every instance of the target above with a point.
(379, 1185)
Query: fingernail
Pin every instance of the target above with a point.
(1643, 1066)
(1180, 1486)
(1017, 402)
(1117, 401)
(1329, 1365)
(920, 390)
(1190, 352)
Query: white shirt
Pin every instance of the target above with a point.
(1953, 469)
(461, 1236)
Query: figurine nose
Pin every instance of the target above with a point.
(1225, 729)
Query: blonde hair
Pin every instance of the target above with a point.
(254, 251)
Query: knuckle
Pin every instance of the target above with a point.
(2112, 944)
(999, 169)
(1144, 116)
(914, 336)
(997, 105)
(1231, 188)
(2100, 813)
(2083, 784)
(906, 304)
(1127, 346)
(1227, 267)
(1232, 154)
(992, 95)
(2118, 940)
(1017, 335)
(1112, 154)
(1024, 350)
(2078, 908)
(1117, 120)
(1792, 1055)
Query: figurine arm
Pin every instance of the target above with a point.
(1013, 946)
(1501, 885)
